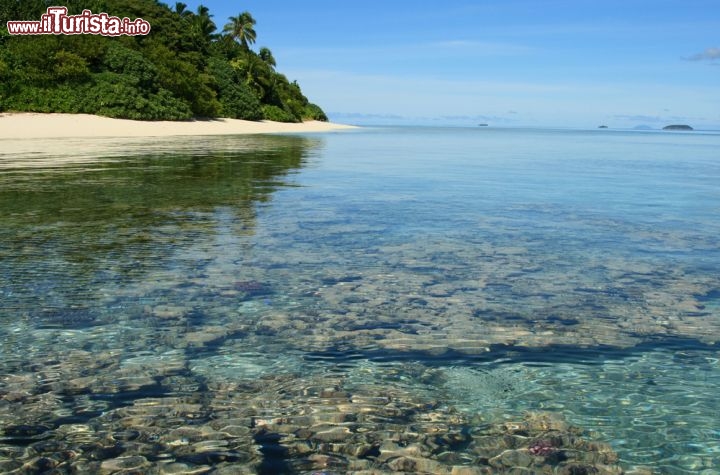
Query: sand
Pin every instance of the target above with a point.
(43, 126)
(32, 140)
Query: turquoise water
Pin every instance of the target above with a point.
(389, 299)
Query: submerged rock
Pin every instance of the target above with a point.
(134, 463)
(252, 288)
(307, 423)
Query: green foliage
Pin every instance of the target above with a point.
(116, 95)
(314, 112)
(70, 67)
(237, 101)
(183, 68)
(39, 99)
(109, 94)
(186, 82)
(277, 114)
(122, 60)
(266, 55)
(21, 9)
(29, 58)
(90, 48)
(242, 29)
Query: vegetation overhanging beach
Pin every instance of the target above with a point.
(183, 69)
(35, 126)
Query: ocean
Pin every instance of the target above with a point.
(418, 299)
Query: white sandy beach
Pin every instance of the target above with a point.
(31, 140)
(43, 126)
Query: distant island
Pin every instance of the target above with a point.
(602, 127)
(482, 125)
(678, 127)
(183, 69)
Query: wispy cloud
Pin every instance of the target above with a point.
(710, 54)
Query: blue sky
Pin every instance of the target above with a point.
(576, 63)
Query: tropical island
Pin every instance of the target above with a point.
(183, 69)
(677, 127)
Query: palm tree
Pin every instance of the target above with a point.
(241, 29)
(202, 10)
(257, 74)
(267, 56)
(181, 9)
(202, 24)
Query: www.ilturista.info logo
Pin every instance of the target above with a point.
(57, 22)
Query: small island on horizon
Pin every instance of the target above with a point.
(678, 127)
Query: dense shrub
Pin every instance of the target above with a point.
(277, 114)
(115, 95)
(314, 112)
(237, 101)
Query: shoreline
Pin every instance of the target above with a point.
(35, 125)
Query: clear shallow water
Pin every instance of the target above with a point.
(334, 302)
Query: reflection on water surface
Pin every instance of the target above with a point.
(419, 300)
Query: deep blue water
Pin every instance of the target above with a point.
(492, 272)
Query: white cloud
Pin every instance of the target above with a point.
(710, 54)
